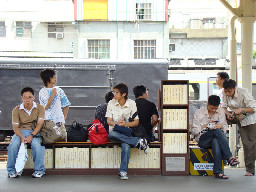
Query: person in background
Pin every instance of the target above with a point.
(101, 110)
(243, 107)
(23, 117)
(208, 125)
(119, 110)
(147, 110)
(221, 76)
(54, 99)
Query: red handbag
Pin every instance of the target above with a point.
(97, 133)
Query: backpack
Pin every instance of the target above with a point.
(77, 133)
(49, 132)
(97, 133)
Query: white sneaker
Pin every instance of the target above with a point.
(37, 175)
(143, 145)
(12, 175)
(123, 176)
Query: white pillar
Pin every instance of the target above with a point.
(233, 53)
(232, 139)
(247, 51)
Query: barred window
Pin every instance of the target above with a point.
(144, 49)
(143, 11)
(55, 30)
(2, 29)
(23, 29)
(99, 49)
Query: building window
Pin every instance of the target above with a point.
(99, 49)
(171, 47)
(56, 30)
(144, 49)
(208, 22)
(2, 29)
(143, 11)
(23, 29)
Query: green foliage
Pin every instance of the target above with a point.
(254, 54)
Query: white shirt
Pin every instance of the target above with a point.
(116, 111)
(54, 112)
(242, 99)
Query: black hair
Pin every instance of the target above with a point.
(214, 100)
(229, 83)
(123, 88)
(109, 96)
(223, 75)
(27, 89)
(46, 75)
(139, 90)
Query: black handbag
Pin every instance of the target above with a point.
(139, 130)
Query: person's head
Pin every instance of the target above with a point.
(27, 96)
(221, 76)
(213, 103)
(48, 76)
(120, 90)
(140, 91)
(109, 96)
(229, 86)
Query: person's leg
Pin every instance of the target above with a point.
(248, 136)
(223, 144)
(13, 150)
(125, 155)
(38, 155)
(115, 136)
(217, 156)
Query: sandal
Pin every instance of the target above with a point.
(232, 161)
(220, 176)
(249, 174)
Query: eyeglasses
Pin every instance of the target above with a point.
(27, 98)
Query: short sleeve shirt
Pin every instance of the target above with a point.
(54, 112)
(116, 112)
(21, 117)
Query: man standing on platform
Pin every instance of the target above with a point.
(221, 76)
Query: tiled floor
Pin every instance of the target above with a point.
(99, 183)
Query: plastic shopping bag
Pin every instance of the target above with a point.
(21, 158)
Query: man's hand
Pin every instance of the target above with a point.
(237, 111)
(23, 139)
(218, 126)
(121, 122)
(29, 139)
(230, 116)
(54, 92)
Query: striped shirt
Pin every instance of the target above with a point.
(242, 99)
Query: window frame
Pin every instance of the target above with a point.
(95, 48)
(144, 11)
(23, 29)
(2, 29)
(142, 49)
(54, 28)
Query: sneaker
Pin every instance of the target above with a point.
(37, 175)
(143, 145)
(123, 176)
(13, 175)
(19, 173)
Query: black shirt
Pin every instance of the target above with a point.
(145, 110)
(100, 113)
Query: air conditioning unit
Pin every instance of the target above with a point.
(59, 35)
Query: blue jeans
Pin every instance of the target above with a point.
(217, 141)
(37, 149)
(126, 143)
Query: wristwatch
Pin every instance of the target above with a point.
(32, 135)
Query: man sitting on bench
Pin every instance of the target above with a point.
(208, 125)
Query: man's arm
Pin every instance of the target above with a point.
(154, 120)
(17, 131)
(36, 130)
(53, 93)
(65, 112)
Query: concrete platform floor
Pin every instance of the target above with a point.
(99, 183)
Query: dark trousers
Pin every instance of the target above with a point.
(248, 136)
(216, 140)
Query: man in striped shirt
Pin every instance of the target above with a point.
(243, 107)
